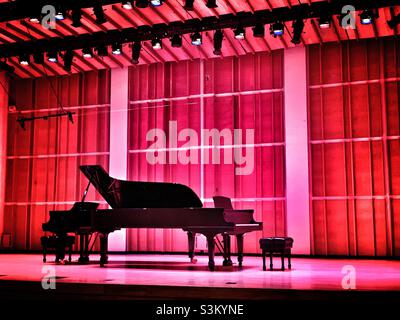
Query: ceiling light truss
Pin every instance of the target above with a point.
(163, 31)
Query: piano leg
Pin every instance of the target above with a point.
(103, 249)
(239, 239)
(60, 248)
(211, 248)
(227, 251)
(44, 252)
(83, 248)
(191, 239)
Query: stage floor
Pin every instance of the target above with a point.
(149, 276)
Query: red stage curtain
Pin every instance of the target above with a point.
(230, 93)
(355, 147)
(43, 161)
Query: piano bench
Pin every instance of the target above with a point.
(282, 246)
(59, 243)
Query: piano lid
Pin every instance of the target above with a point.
(136, 194)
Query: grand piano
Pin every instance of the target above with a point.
(150, 205)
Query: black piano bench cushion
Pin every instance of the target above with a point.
(281, 245)
(59, 243)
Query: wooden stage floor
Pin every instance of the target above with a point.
(149, 276)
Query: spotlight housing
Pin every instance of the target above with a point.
(277, 29)
(240, 33)
(259, 30)
(99, 13)
(76, 18)
(38, 57)
(211, 4)
(156, 44)
(218, 37)
(392, 23)
(176, 41)
(52, 56)
(116, 48)
(196, 39)
(189, 5)
(298, 26)
(61, 14)
(127, 5)
(102, 51)
(35, 18)
(366, 17)
(68, 57)
(156, 3)
(324, 23)
(87, 53)
(142, 3)
(136, 47)
(24, 59)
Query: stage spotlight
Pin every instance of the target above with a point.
(366, 17)
(68, 57)
(218, 37)
(156, 44)
(127, 5)
(38, 57)
(240, 33)
(24, 59)
(99, 13)
(61, 14)
(259, 30)
(116, 48)
(298, 26)
(87, 53)
(196, 39)
(102, 51)
(392, 23)
(324, 22)
(189, 5)
(142, 3)
(277, 29)
(35, 18)
(176, 41)
(211, 4)
(52, 56)
(136, 47)
(156, 3)
(76, 18)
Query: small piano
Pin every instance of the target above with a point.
(150, 205)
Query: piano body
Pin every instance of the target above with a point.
(150, 205)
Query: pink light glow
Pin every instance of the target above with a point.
(297, 180)
(118, 141)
